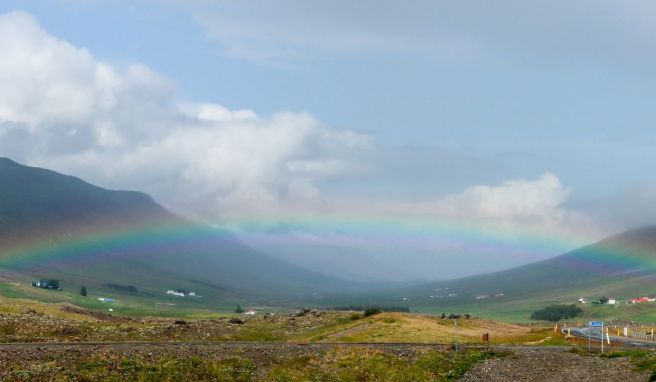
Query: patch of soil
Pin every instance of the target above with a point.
(97, 315)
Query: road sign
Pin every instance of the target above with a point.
(596, 324)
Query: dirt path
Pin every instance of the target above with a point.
(554, 365)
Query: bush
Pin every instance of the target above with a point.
(556, 312)
(83, 291)
(355, 316)
(371, 311)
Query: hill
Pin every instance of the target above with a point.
(622, 267)
(60, 227)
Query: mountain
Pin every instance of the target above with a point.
(58, 226)
(622, 266)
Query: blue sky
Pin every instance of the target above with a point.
(442, 98)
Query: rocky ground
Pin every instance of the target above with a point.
(78, 325)
(557, 366)
(232, 362)
(298, 362)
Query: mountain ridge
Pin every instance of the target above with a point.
(59, 226)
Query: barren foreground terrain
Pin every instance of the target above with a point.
(298, 362)
(62, 342)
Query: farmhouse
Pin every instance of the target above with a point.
(640, 299)
(181, 293)
(46, 284)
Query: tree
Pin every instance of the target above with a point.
(603, 300)
(239, 309)
(83, 291)
(556, 312)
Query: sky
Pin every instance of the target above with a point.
(373, 139)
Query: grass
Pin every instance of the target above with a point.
(519, 311)
(126, 304)
(405, 327)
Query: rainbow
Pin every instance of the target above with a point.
(87, 244)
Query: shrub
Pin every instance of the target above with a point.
(355, 316)
(371, 311)
(556, 312)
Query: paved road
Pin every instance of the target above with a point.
(595, 335)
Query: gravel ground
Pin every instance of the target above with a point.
(61, 361)
(549, 365)
(524, 364)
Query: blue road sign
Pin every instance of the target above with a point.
(596, 323)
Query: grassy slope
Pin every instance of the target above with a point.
(404, 327)
(621, 267)
(327, 327)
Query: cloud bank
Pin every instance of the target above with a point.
(62, 108)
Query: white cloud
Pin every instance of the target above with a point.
(124, 128)
(541, 199)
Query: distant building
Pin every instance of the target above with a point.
(640, 299)
(611, 301)
(46, 284)
(250, 312)
(180, 293)
(482, 296)
(583, 300)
